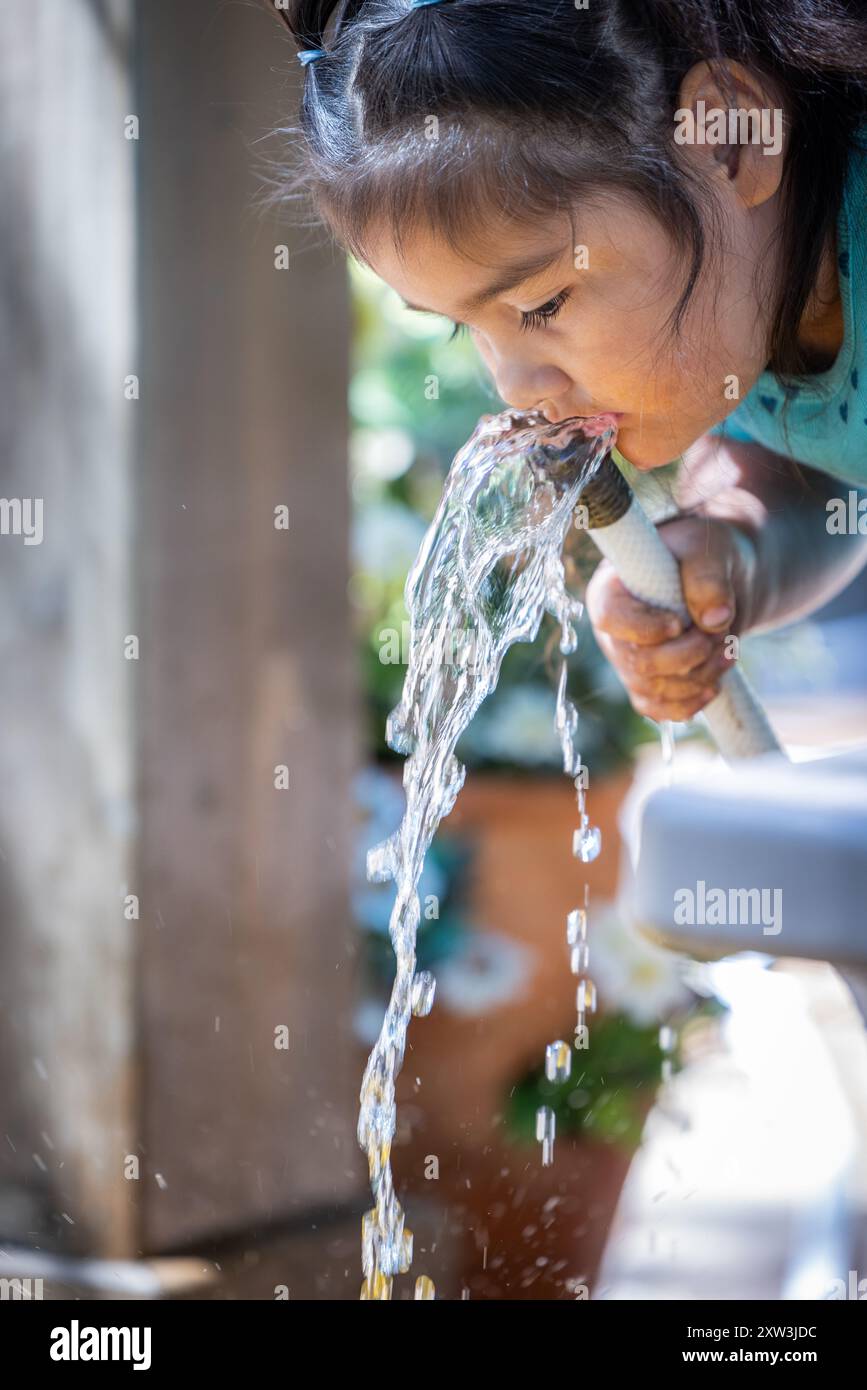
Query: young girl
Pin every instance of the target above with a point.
(656, 208)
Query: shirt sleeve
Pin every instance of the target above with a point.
(730, 430)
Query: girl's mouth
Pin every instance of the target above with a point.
(597, 424)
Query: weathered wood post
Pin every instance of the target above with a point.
(247, 664)
(67, 956)
(177, 697)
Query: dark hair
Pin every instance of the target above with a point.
(539, 103)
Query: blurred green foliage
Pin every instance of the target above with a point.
(613, 1082)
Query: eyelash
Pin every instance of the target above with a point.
(534, 318)
(537, 318)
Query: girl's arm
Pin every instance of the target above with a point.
(755, 552)
(799, 564)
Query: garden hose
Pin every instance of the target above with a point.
(625, 535)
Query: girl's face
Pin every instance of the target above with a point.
(570, 317)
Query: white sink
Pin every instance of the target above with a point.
(765, 855)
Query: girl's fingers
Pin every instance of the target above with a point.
(709, 594)
(613, 610)
(675, 658)
(691, 655)
(703, 678)
(670, 668)
(678, 711)
(659, 694)
(706, 562)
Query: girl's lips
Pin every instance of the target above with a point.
(609, 417)
(605, 420)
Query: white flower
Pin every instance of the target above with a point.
(381, 454)
(486, 971)
(633, 975)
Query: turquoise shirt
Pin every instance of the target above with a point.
(827, 417)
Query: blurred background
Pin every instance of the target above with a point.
(237, 453)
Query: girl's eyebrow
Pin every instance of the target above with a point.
(509, 278)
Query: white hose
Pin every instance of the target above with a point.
(650, 572)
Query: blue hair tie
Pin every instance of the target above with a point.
(309, 55)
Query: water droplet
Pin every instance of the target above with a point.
(587, 842)
(666, 736)
(558, 1061)
(406, 1251)
(566, 724)
(566, 719)
(545, 1122)
(377, 1289)
(667, 1039)
(423, 991)
(585, 997)
(580, 958)
(454, 774)
(380, 862)
(576, 925)
(394, 1246)
(546, 1125)
(368, 1227)
(397, 731)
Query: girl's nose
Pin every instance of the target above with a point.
(523, 384)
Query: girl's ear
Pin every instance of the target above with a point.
(730, 123)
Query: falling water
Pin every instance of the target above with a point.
(667, 744)
(488, 570)
(586, 846)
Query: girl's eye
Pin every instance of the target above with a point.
(537, 318)
(533, 318)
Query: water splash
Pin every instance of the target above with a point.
(488, 570)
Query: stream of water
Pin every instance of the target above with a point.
(490, 567)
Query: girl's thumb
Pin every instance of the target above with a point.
(708, 591)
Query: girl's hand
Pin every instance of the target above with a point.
(671, 670)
